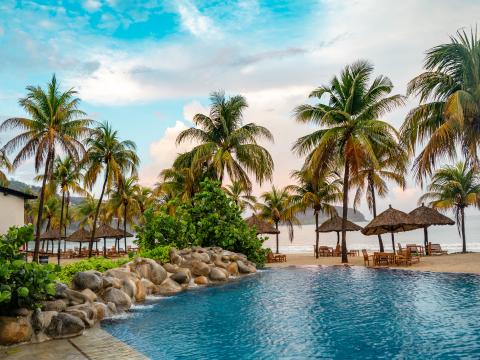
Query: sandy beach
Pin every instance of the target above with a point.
(456, 263)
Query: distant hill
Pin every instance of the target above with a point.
(307, 218)
(33, 189)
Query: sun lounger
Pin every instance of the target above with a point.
(366, 257)
(273, 258)
(325, 251)
(406, 257)
(436, 249)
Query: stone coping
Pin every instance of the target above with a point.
(94, 344)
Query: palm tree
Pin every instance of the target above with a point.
(225, 144)
(449, 111)
(455, 187)
(178, 182)
(240, 195)
(318, 194)
(143, 198)
(107, 153)
(5, 164)
(371, 179)
(350, 126)
(55, 123)
(277, 208)
(84, 212)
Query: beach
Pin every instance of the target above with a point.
(454, 263)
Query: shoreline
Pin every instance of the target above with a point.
(468, 263)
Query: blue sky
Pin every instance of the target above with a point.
(148, 66)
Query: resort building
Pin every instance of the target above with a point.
(12, 208)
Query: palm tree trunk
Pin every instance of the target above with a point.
(40, 206)
(346, 176)
(125, 226)
(97, 211)
(61, 227)
(316, 234)
(66, 217)
(276, 228)
(464, 241)
(374, 210)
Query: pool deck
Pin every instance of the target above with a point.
(95, 344)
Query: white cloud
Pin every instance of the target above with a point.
(92, 5)
(194, 21)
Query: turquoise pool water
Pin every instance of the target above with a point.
(313, 313)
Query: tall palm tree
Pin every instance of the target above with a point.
(144, 199)
(350, 126)
(318, 194)
(455, 187)
(107, 153)
(178, 182)
(226, 145)
(277, 208)
(84, 212)
(449, 109)
(55, 123)
(240, 195)
(371, 179)
(4, 164)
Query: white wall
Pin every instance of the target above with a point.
(11, 212)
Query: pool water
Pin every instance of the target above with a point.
(313, 313)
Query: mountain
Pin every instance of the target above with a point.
(33, 189)
(308, 218)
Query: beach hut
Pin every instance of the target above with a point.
(81, 236)
(50, 235)
(334, 224)
(426, 216)
(261, 226)
(391, 221)
(106, 231)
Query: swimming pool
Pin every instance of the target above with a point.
(313, 313)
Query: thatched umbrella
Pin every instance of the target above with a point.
(335, 224)
(261, 226)
(81, 236)
(427, 216)
(391, 221)
(106, 231)
(50, 235)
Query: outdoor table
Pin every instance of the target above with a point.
(383, 258)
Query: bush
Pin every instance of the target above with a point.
(68, 271)
(160, 253)
(11, 242)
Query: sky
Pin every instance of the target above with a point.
(148, 66)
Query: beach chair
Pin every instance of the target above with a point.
(366, 257)
(407, 257)
(271, 257)
(337, 251)
(436, 249)
(324, 251)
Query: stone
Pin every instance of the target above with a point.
(201, 280)
(129, 288)
(122, 274)
(217, 275)
(112, 307)
(54, 305)
(65, 325)
(89, 294)
(22, 312)
(141, 290)
(175, 257)
(87, 280)
(201, 256)
(71, 297)
(168, 287)
(149, 269)
(182, 276)
(171, 268)
(42, 319)
(102, 310)
(200, 268)
(121, 300)
(149, 286)
(232, 268)
(244, 268)
(14, 330)
(111, 281)
(221, 264)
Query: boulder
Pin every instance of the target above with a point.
(111, 281)
(175, 257)
(21, 312)
(171, 268)
(245, 268)
(71, 297)
(122, 274)
(121, 300)
(200, 256)
(168, 287)
(89, 294)
(182, 276)
(87, 280)
(149, 269)
(82, 315)
(221, 264)
(65, 325)
(232, 268)
(42, 319)
(129, 288)
(201, 280)
(216, 274)
(141, 290)
(102, 310)
(54, 305)
(200, 268)
(14, 330)
(149, 286)
(112, 307)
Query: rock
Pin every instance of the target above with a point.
(220, 264)
(54, 305)
(217, 275)
(175, 257)
(65, 325)
(201, 280)
(111, 281)
(141, 290)
(204, 257)
(121, 300)
(168, 287)
(42, 319)
(232, 268)
(87, 280)
(89, 294)
(171, 268)
(82, 315)
(129, 288)
(102, 310)
(14, 330)
(200, 268)
(149, 286)
(72, 297)
(112, 307)
(182, 276)
(244, 268)
(149, 269)
(22, 312)
(122, 274)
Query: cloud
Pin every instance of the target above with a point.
(194, 21)
(92, 5)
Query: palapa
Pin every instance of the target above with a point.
(261, 226)
(335, 224)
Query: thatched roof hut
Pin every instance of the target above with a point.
(52, 234)
(81, 235)
(427, 216)
(262, 226)
(335, 224)
(391, 221)
(106, 231)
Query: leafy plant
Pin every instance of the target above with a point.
(11, 242)
(68, 271)
(160, 253)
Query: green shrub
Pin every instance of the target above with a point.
(11, 242)
(68, 271)
(160, 253)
